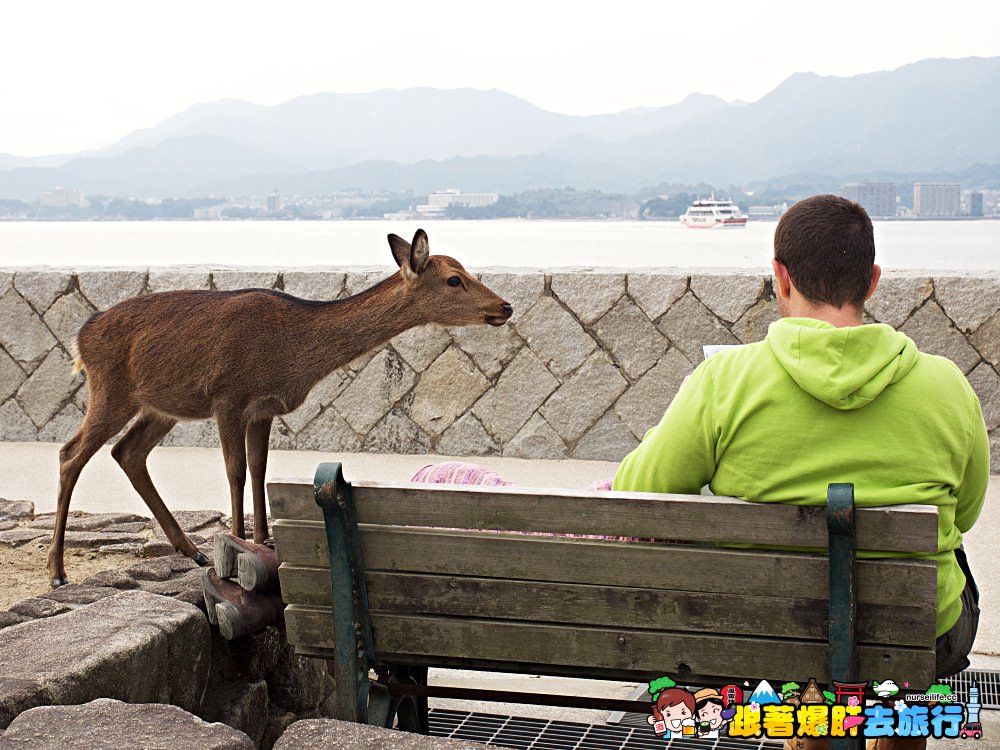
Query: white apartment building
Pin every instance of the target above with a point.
(437, 203)
(937, 199)
(62, 198)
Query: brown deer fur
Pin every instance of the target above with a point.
(243, 358)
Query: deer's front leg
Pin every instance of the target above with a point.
(258, 434)
(232, 435)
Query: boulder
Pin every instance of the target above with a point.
(97, 651)
(105, 724)
(321, 734)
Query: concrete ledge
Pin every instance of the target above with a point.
(322, 734)
(135, 646)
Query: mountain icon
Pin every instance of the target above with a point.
(764, 694)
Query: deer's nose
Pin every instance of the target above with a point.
(508, 308)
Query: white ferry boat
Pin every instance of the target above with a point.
(712, 214)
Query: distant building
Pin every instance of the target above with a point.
(937, 199)
(767, 212)
(975, 203)
(273, 202)
(212, 212)
(62, 198)
(877, 198)
(437, 203)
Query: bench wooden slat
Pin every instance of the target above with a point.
(534, 648)
(909, 528)
(618, 606)
(630, 564)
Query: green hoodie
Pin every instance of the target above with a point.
(779, 420)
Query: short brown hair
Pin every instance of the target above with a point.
(827, 244)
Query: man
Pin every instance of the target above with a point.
(825, 398)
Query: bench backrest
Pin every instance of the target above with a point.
(449, 584)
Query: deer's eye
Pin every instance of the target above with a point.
(454, 281)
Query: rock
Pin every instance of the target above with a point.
(987, 340)
(93, 652)
(421, 345)
(317, 285)
(490, 348)
(11, 618)
(752, 327)
(934, 333)
(643, 404)
(521, 389)
(22, 332)
(521, 290)
(192, 520)
(897, 297)
(37, 608)
(968, 300)
(62, 426)
(132, 527)
(16, 510)
(608, 440)
(656, 292)
(114, 578)
(186, 587)
(986, 384)
(536, 439)
(233, 280)
(397, 433)
(128, 548)
(80, 593)
(15, 425)
(727, 295)
(446, 391)
(156, 548)
(87, 521)
(66, 317)
(17, 537)
(588, 295)
(161, 569)
(690, 325)
(242, 706)
(11, 376)
(8, 525)
(373, 393)
(95, 539)
(633, 342)
(321, 396)
(298, 683)
(106, 287)
(201, 433)
(555, 336)
(328, 432)
(277, 724)
(171, 279)
(321, 734)
(581, 400)
(41, 288)
(466, 437)
(106, 724)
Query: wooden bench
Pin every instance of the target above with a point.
(430, 575)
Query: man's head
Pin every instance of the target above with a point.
(824, 245)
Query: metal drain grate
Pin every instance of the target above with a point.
(523, 733)
(987, 680)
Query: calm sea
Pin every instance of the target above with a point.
(933, 245)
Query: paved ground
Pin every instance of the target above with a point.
(194, 478)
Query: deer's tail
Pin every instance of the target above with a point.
(78, 365)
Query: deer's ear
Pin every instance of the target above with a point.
(400, 250)
(419, 252)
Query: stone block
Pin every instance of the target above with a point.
(79, 594)
(95, 539)
(752, 327)
(581, 400)
(995, 452)
(8, 525)
(644, 403)
(17, 537)
(107, 287)
(421, 345)
(129, 527)
(322, 395)
(78, 521)
(298, 684)
(106, 724)
(521, 389)
(50, 386)
(490, 348)
(654, 293)
(728, 296)
(385, 380)
(317, 285)
(42, 288)
(22, 333)
(6, 620)
(986, 340)
(242, 706)
(536, 439)
(608, 440)
(466, 437)
(968, 300)
(113, 578)
(520, 289)
(190, 520)
(632, 340)
(92, 652)
(328, 432)
(37, 608)
(156, 548)
(897, 297)
(15, 425)
(934, 333)
(11, 376)
(177, 279)
(6, 281)
(356, 282)
(230, 281)
(200, 433)
(555, 336)
(588, 295)
(397, 433)
(323, 734)
(161, 569)
(986, 384)
(446, 391)
(690, 325)
(65, 318)
(62, 426)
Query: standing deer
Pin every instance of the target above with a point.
(244, 358)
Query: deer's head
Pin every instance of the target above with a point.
(442, 290)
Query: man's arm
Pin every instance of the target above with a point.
(678, 454)
(972, 492)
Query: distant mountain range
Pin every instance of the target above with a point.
(929, 117)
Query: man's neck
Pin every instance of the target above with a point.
(839, 317)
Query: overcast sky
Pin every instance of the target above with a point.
(79, 75)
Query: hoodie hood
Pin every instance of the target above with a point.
(846, 368)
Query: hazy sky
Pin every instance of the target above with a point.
(79, 75)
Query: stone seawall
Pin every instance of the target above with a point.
(588, 364)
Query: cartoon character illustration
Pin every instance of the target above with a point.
(732, 694)
(673, 710)
(711, 712)
(885, 689)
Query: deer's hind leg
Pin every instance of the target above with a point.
(258, 434)
(104, 419)
(130, 452)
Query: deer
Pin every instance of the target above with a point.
(243, 357)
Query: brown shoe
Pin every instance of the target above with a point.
(238, 612)
(255, 566)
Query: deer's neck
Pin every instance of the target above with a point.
(342, 331)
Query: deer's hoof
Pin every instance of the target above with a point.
(57, 582)
(201, 559)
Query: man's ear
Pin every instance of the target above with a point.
(783, 282)
(876, 275)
